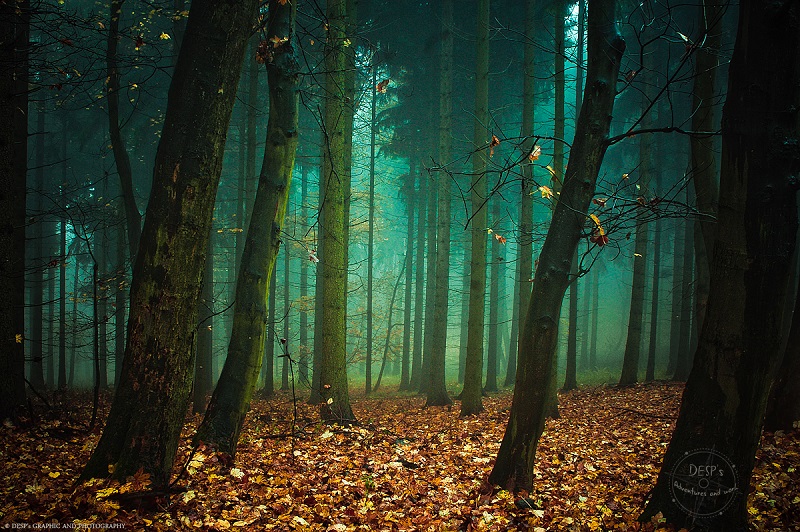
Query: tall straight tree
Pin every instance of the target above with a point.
(230, 402)
(471, 396)
(14, 33)
(437, 391)
(525, 245)
(493, 347)
(539, 339)
(742, 340)
(407, 191)
(157, 368)
(335, 215)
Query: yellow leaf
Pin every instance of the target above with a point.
(54, 474)
(18, 338)
(546, 191)
(164, 36)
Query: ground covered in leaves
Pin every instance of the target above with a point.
(404, 467)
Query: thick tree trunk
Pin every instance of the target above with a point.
(231, 399)
(630, 362)
(741, 342)
(437, 390)
(683, 364)
(157, 369)
(571, 379)
(335, 220)
(515, 460)
(133, 217)
(36, 366)
(471, 401)
(783, 409)
(14, 33)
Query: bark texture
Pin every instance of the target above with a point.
(157, 368)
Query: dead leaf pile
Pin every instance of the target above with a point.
(403, 467)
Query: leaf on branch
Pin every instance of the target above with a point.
(535, 153)
(277, 41)
(494, 142)
(600, 201)
(381, 87)
(164, 36)
(546, 191)
(500, 238)
(312, 256)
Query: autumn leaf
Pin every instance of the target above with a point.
(535, 153)
(18, 338)
(164, 36)
(492, 144)
(139, 42)
(600, 201)
(312, 256)
(546, 191)
(381, 87)
(500, 239)
(277, 41)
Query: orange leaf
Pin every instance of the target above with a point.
(500, 239)
(381, 87)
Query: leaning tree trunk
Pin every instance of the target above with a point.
(14, 33)
(437, 391)
(538, 341)
(231, 399)
(157, 368)
(471, 401)
(741, 342)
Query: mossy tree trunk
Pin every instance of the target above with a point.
(157, 368)
(230, 402)
(513, 468)
(437, 390)
(335, 219)
(741, 341)
(471, 396)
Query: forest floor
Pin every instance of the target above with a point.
(403, 467)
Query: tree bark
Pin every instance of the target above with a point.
(437, 390)
(157, 369)
(230, 401)
(203, 375)
(335, 220)
(471, 400)
(14, 33)
(514, 465)
(741, 341)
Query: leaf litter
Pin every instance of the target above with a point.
(403, 467)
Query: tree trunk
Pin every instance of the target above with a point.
(416, 357)
(286, 309)
(133, 218)
(268, 365)
(571, 379)
(204, 349)
(783, 409)
(437, 390)
(741, 342)
(494, 303)
(304, 348)
(157, 369)
(471, 401)
(335, 220)
(230, 401)
(650, 373)
(36, 366)
(405, 366)
(14, 31)
(538, 342)
(683, 364)
(431, 319)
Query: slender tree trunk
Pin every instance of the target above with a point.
(268, 366)
(335, 218)
(683, 364)
(231, 398)
(431, 318)
(157, 369)
(121, 300)
(703, 160)
(405, 367)
(416, 365)
(741, 342)
(304, 348)
(437, 390)
(650, 374)
(538, 341)
(595, 316)
(36, 366)
(571, 379)
(511, 367)
(463, 333)
(133, 218)
(675, 304)
(525, 259)
(471, 400)
(315, 397)
(286, 309)
(62, 306)
(494, 303)
(204, 350)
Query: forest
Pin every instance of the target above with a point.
(434, 265)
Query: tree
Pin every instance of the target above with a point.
(514, 465)
(157, 368)
(740, 344)
(471, 401)
(14, 34)
(335, 216)
(231, 399)
(437, 392)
